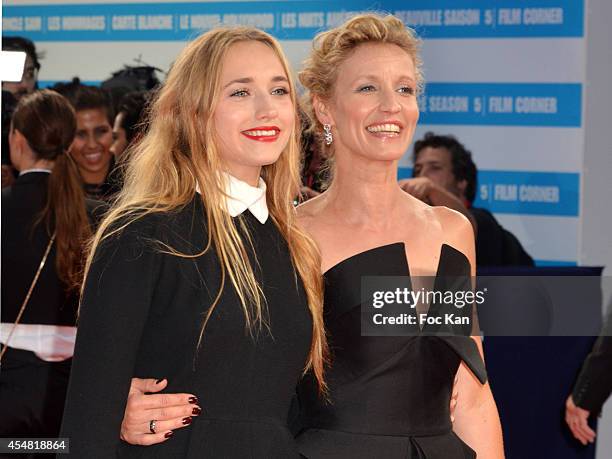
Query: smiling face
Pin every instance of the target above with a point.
(254, 116)
(373, 110)
(91, 146)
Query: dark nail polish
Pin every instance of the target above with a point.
(159, 381)
(196, 411)
(193, 400)
(169, 434)
(186, 421)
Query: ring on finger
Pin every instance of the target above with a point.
(152, 426)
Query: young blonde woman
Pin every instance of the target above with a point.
(199, 273)
(388, 396)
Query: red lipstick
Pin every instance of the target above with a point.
(262, 133)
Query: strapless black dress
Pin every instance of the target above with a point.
(389, 397)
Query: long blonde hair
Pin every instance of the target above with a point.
(179, 152)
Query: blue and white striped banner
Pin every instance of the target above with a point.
(502, 104)
(291, 20)
(523, 192)
(531, 193)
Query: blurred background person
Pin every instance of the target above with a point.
(315, 168)
(130, 79)
(128, 125)
(8, 107)
(29, 81)
(45, 223)
(444, 174)
(12, 92)
(93, 139)
(593, 386)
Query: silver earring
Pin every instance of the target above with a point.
(327, 134)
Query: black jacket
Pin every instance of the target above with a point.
(141, 316)
(594, 383)
(23, 246)
(496, 246)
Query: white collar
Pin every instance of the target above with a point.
(243, 196)
(39, 169)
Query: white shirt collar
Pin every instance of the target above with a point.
(243, 196)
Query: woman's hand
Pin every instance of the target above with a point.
(162, 412)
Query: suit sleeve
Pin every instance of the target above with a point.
(594, 383)
(116, 301)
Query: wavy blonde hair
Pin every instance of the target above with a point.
(332, 47)
(179, 152)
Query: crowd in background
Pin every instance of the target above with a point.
(108, 119)
(61, 167)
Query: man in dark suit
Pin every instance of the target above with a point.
(444, 174)
(593, 386)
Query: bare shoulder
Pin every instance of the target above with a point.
(457, 229)
(453, 222)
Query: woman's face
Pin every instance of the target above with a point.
(91, 146)
(120, 142)
(373, 109)
(255, 115)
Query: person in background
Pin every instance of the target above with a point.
(29, 81)
(12, 92)
(128, 127)
(129, 121)
(315, 168)
(444, 174)
(130, 79)
(593, 386)
(43, 212)
(8, 107)
(93, 139)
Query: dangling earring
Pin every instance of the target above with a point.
(327, 134)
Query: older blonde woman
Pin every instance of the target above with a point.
(389, 395)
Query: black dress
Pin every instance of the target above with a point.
(389, 396)
(141, 316)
